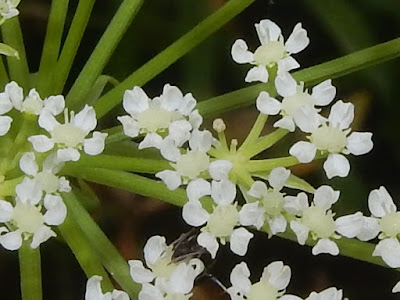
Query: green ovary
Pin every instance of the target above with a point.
(164, 266)
(329, 138)
(262, 291)
(273, 203)
(156, 118)
(390, 224)
(223, 220)
(191, 164)
(291, 104)
(68, 135)
(319, 221)
(27, 217)
(269, 54)
(47, 181)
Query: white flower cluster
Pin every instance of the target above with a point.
(8, 9)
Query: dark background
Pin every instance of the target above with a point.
(336, 28)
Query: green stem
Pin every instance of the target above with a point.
(171, 54)
(52, 43)
(102, 53)
(12, 36)
(83, 252)
(272, 163)
(255, 130)
(108, 254)
(7, 188)
(30, 269)
(332, 69)
(3, 75)
(71, 45)
(263, 143)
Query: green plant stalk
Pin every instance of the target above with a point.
(108, 254)
(52, 44)
(255, 130)
(171, 54)
(102, 53)
(7, 188)
(332, 69)
(113, 162)
(263, 143)
(18, 68)
(83, 252)
(30, 270)
(271, 163)
(3, 75)
(71, 45)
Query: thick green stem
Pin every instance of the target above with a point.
(3, 75)
(263, 143)
(332, 69)
(83, 252)
(102, 53)
(108, 254)
(171, 54)
(71, 45)
(272, 163)
(18, 68)
(51, 47)
(30, 270)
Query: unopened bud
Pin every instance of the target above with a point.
(219, 125)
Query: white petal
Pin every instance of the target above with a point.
(182, 278)
(240, 277)
(169, 150)
(369, 230)
(350, 225)
(341, 115)
(389, 250)
(359, 143)
(5, 103)
(336, 165)
(63, 185)
(5, 124)
(396, 288)
(93, 288)
(27, 164)
(268, 105)
(12, 240)
(258, 189)
(119, 295)
(298, 40)
(198, 188)
(240, 52)
(67, 154)
(300, 230)
(56, 210)
(303, 151)
(296, 205)
(286, 123)
(200, 140)
(323, 93)
(277, 274)
(223, 192)
(380, 202)
(139, 273)
(195, 119)
(130, 126)
(208, 241)
(6, 211)
(325, 196)
(179, 132)
(150, 292)
(135, 101)
(154, 248)
(171, 179)
(258, 73)
(187, 104)
(239, 240)
(251, 214)
(194, 214)
(171, 98)
(41, 235)
(325, 246)
(307, 118)
(85, 119)
(55, 104)
(95, 145)
(287, 64)
(15, 93)
(28, 191)
(277, 178)
(277, 224)
(267, 31)
(285, 84)
(151, 140)
(219, 169)
(41, 143)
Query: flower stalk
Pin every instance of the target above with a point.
(30, 270)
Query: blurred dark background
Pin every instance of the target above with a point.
(336, 28)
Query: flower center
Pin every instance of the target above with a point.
(191, 164)
(163, 266)
(223, 219)
(273, 203)
(68, 135)
(329, 138)
(156, 118)
(319, 221)
(291, 104)
(27, 217)
(47, 181)
(32, 105)
(269, 54)
(390, 224)
(262, 291)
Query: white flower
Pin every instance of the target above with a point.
(11, 91)
(94, 292)
(8, 9)
(298, 106)
(190, 165)
(170, 277)
(357, 225)
(331, 293)
(272, 52)
(381, 205)
(69, 137)
(332, 137)
(273, 282)
(270, 206)
(170, 115)
(316, 219)
(222, 222)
